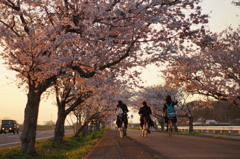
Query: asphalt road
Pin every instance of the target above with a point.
(9, 139)
(161, 146)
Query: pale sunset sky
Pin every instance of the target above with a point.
(13, 100)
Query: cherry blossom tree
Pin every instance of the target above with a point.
(184, 108)
(70, 93)
(81, 96)
(43, 40)
(100, 107)
(213, 72)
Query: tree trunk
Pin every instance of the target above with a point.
(103, 125)
(81, 129)
(98, 125)
(175, 127)
(59, 128)
(85, 130)
(190, 124)
(91, 127)
(28, 136)
(162, 123)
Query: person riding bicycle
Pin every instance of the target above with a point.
(122, 115)
(169, 103)
(145, 112)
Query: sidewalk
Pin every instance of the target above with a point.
(231, 137)
(109, 146)
(106, 148)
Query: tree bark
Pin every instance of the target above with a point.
(190, 124)
(175, 127)
(162, 122)
(85, 130)
(81, 129)
(28, 136)
(59, 128)
(96, 126)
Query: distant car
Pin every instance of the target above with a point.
(197, 123)
(211, 122)
(9, 126)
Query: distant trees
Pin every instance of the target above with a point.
(49, 123)
(221, 111)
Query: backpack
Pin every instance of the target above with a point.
(170, 110)
(119, 111)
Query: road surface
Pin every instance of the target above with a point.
(161, 146)
(9, 139)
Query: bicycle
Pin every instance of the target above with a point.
(122, 128)
(170, 126)
(145, 129)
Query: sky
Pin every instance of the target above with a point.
(13, 100)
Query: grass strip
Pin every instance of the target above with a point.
(70, 148)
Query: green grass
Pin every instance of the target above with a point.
(71, 148)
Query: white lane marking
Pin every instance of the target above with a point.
(44, 137)
(10, 143)
(14, 136)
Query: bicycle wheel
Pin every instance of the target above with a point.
(122, 130)
(170, 128)
(121, 133)
(145, 133)
(145, 129)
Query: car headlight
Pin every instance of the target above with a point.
(10, 128)
(2, 128)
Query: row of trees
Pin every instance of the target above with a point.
(79, 49)
(221, 111)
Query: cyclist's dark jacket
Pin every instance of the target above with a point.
(123, 107)
(125, 110)
(145, 111)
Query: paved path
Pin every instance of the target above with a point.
(160, 146)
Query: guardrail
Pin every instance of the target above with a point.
(229, 129)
